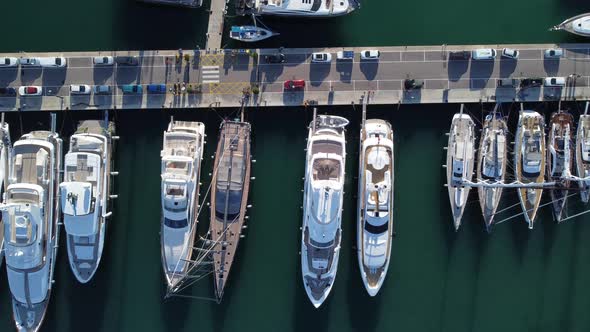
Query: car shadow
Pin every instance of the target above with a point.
(54, 77)
(79, 101)
(7, 102)
(551, 66)
(507, 67)
(30, 74)
(103, 101)
(102, 74)
(369, 69)
(318, 72)
(126, 74)
(293, 98)
(529, 93)
(8, 75)
(156, 100)
(271, 72)
(505, 93)
(456, 69)
(480, 73)
(294, 60)
(131, 101)
(345, 70)
(30, 103)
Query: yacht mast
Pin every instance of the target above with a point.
(52, 122)
(313, 122)
(585, 110)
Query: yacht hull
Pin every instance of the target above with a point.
(5, 151)
(229, 198)
(460, 157)
(375, 244)
(583, 166)
(560, 157)
(493, 145)
(568, 25)
(532, 125)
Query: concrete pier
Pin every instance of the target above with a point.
(229, 78)
(177, 3)
(215, 25)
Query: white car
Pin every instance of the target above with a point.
(321, 57)
(79, 89)
(29, 62)
(554, 53)
(483, 54)
(554, 81)
(8, 62)
(30, 90)
(103, 60)
(370, 54)
(510, 53)
(53, 62)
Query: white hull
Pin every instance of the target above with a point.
(583, 156)
(5, 152)
(375, 230)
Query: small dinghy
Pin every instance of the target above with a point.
(249, 33)
(579, 25)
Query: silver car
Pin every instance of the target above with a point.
(103, 60)
(8, 62)
(554, 53)
(29, 62)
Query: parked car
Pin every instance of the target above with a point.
(79, 89)
(510, 53)
(275, 58)
(8, 62)
(7, 91)
(507, 83)
(412, 84)
(31, 90)
(459, 55)
(483, 54)
(132, 89)
(294, 85)
(102, 89)
(103, 60)
(127, 60)
(321, 57)
(554, 81)
(531, 82)
(370, 54)
(554, 53)
(53, 62)
(156, 88)
(345, 55)
(29, 62)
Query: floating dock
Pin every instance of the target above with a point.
(177, 3)
(231, 78)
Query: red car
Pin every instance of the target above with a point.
(294, 85)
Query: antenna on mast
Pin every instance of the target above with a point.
(313, 122)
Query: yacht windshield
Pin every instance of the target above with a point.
(376, 229)
(176, 223)
(234, 203)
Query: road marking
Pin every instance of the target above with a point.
(210, 74)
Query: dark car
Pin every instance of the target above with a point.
(156, 88)
(531, 82)
(7, 92)
(275, 58)
(127, 60)
(459, 55)
(412, 84)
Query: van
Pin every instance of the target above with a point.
(52, 62)
(483, 54)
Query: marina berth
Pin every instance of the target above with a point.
(491, 165)
(560, 159)
(229, 198)
(181, 157)
(375, 203)
(30, 211)
(84, 195)
(530, 162)
(460, 163)
(298, 8)
(322, 205)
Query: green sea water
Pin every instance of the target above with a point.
(512, 280)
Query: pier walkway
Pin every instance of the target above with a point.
(230, 78)
(215, 25)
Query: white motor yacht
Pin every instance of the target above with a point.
(84, 195)
(529, 161)
(31, 225)
(299, 8)
(578, 25)
(460, 160)
(583, 156)
(322, 205)
(181, 155)
(5, 152)
(375, 203)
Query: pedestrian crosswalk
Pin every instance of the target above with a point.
(210, 74)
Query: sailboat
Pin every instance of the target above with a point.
(181, 155)
(229, 198)
(84, 195)
(460, 160)
(322, 205)
(583, 155)
(529, 161)
(559, 159)
(31, 224)
(491, 165)
(375, 203)
(5, 153)
(578, 25)
(250, 33)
